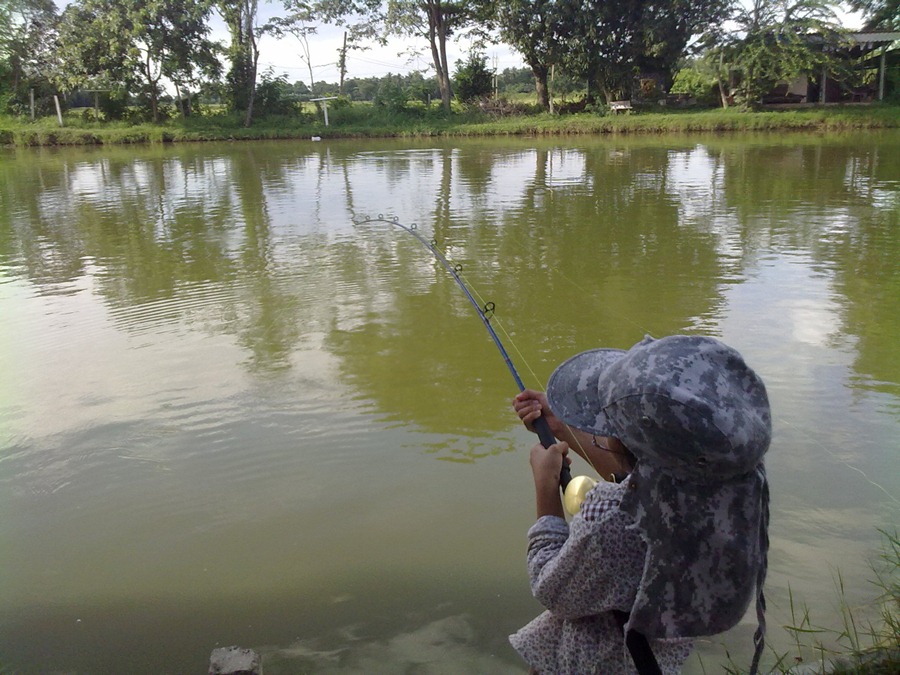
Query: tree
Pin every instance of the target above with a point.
(83, 51)
(362, 20)
(437, 21)
(879, 14)
(243, 52)
(241, 18)
(299, 23)
(27, 43)
(142, 43)
(473, 79)
(775, 41)
(666, 29)
(599, 39)
(608, 44)
(532, 28)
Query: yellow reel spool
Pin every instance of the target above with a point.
(575, 493)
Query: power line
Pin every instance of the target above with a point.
(304, 67)
(378, 63)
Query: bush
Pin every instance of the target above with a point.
(114, 104)
(473, 79)
(392, 96)
(269, 98)
(17, 101)
(696, 85)
(503, 107)
(340, 103)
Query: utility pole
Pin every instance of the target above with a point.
(496, 77)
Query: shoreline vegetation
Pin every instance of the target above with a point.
(368, 121)
(867, 641)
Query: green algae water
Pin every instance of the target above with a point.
(231, 415)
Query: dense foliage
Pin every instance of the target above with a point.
(122, 56)
(473, 78)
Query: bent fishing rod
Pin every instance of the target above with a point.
(540, 426)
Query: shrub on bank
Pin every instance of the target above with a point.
(415, 118)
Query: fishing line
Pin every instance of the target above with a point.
(485, 313)
(782, 420)
(582, 451)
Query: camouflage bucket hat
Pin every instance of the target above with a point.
(697, 419)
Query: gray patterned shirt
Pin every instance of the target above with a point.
(580, 572)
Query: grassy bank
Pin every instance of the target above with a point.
(366, 121)
(866, 640)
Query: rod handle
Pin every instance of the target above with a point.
(542, 429)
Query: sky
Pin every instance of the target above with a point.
(400, 56)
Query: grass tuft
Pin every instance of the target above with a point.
(858, 646)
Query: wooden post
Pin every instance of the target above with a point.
(550, 88)
(823, 85)
(495, 80)
(96, 106)
(58, 109)
(881, 74)
(31, 98)
(324, 101)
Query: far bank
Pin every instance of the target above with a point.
(79, 127)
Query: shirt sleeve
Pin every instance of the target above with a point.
(590, 566)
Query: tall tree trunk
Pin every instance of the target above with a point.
(342, 64)
(437, 37)
(180, 102)
(723, 95)
(239, 16)
(540, 85)
(590, 95)
(152, 85)
(248, 119)
(447, 91)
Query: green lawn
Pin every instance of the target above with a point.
(366, 120)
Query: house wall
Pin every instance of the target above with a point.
(799, 86)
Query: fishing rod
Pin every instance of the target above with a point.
(540, 426)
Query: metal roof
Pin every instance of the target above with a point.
(873, 37)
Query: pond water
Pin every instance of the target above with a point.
(231, 414)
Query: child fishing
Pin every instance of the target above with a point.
(673, 545)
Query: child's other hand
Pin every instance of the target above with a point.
(546, 463)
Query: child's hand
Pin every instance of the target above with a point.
(546, 464)
(531, 404)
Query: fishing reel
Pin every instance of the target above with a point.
(575, 492)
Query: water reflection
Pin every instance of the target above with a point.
(255, 241)
(200, 345)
